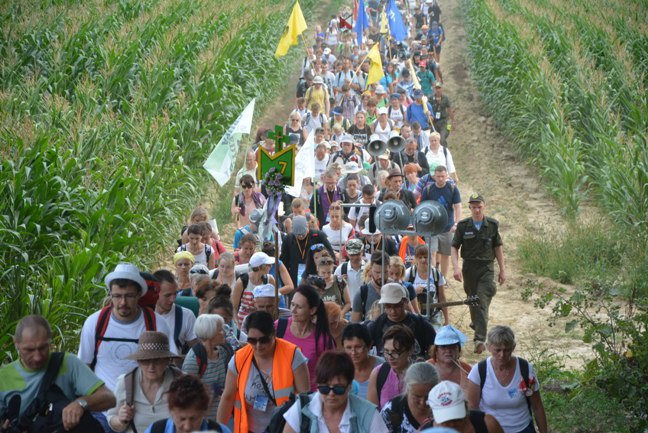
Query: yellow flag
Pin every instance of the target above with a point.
(384, 27)
(376, 69)
(295, 27)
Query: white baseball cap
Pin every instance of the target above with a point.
(447, 402)
(260, 259)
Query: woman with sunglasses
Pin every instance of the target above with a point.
(337, 230)
(356, 342)
(294, 129)
(308, 327)
(246, 201)
(333, 408)
(261, 376)
(387, 381)
(408, 412)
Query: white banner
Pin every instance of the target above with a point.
(304, 165)
(220, 163)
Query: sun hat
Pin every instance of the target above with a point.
(476, 198)
(264, 291)
(394, 172)
(383, 110)
(299, 225)
(384, 155)
(365, 231)
(448, 335)
(346, 138)
(351, 167)
(255, 216)
(126, 271)
(152, 345)
(392, 293)
(447, 402)
(183, 255)
(380, 90)
(318, 80)
(260, 259)
(199, 268)
(354, 246)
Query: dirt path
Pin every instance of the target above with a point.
(486, 162)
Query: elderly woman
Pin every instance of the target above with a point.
(208, 359)
(445, 356)
(440, 155)
(387, 381)
(261, 376)
(222, 305)
(188, 404)
(183, 262)
(333, 408)
(506, 386)
(147, 385)
(450, 409)
(406, 413)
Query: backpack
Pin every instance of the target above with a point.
(245, 279)
(320, 116)
(208, 250)
(177, 327)
(382, 378)
(426, 190)
(435, 279)
(201, 358)
(402, 110)
(102, 326)
(129, 387)
(277, 422)
(160, 426)
(524, 371)
(282, 325)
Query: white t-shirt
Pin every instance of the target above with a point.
(111, 358)
(353, 277)
(439, 158)
(320, 166)
(293, 417)
(337, 238)
(188, 321)
(506, 403)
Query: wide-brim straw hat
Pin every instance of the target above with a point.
(152, 345)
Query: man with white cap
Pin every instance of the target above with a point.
(349, 152)
(450, 409)
(297, 245)
(110, 335)
(264, 300)
(394, 299)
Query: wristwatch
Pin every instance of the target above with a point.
(83, 403)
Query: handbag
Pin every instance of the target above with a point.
(45, 413)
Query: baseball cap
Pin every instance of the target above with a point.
(438, 84)
(394, 96)
(392, 293)
(417, 93)
(260, 259)
(448, 335)
(346, 138)
(383, 110)
(380, 90)
(299, 225)
(447, 402)
(476, 198)
(199, 268)
(337, 111)
(126, 271)
(354, 246)
(264, 291)
(327, 51)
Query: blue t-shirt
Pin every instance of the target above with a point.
(448, 196)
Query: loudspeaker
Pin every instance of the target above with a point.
(376, 146)
(430, 218)
(392, 217)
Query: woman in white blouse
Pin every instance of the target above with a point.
(440, 155)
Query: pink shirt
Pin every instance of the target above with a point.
(391, 388)
(307, 346)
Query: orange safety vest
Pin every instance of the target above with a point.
(402, 251)
(282, 378)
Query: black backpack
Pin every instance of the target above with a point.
(160, 426)
(277, 422)
(524, 371)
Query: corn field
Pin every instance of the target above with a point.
(567, 80)
(107, 112)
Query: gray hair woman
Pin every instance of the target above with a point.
(408, 412)
(506, 386)
(209, 357)
(149, 383)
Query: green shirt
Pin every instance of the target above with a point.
(74, 378)
(477, 244)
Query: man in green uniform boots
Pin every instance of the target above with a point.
(480, 243)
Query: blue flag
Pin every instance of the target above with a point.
(362, 22)
(396, 25)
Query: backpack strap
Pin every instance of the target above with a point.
(364, 293)
(201, 358)
(177, 326)
(100, 331)
(524, 371)
(149, 319)
(129, 386)
(304, 424)
(412, 275)
(481, 368)
(208, 252)
(159, 426)
(345, 268)
(382, 378)
(282, 325)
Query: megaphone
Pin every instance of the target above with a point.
(396, 143)
(376, 146)
(430, 218)
(392, 217)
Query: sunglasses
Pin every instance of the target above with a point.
(317, 247)
(261, 340)
(198, 271)
(337, 389)
(246, 186)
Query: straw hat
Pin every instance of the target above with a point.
(152, 345)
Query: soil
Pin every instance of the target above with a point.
(487, 163)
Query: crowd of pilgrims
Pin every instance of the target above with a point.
(351, 323)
